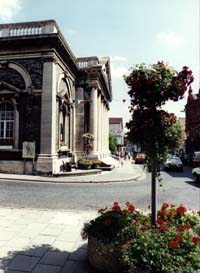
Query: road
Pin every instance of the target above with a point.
(178, 188)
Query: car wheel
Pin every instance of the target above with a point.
(197, 178)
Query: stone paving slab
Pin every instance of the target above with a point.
(50, 246)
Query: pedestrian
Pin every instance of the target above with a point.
(121, 158)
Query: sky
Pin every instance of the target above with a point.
(128, 31)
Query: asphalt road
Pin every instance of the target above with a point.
(177, 188)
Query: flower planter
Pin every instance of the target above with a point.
(95, 166)
(105, 263)
(84, 167)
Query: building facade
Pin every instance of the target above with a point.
(192, 113)
(116, 129)
(50, 98)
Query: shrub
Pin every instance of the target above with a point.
(85, 162)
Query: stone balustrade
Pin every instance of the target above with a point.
(30, 28)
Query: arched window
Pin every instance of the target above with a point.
(7, 118)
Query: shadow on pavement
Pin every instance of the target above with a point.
(46, 259)
(193, 183)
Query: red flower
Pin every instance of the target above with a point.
(181, 210)
(179, 237)
(135, 222)
(144, 228)
(181, 228)
(116, 207)
(107, 222)
(163, 228)
(101, 210)
(160, 221)
(125, 211)
(164, 206)
(198, 212)
(131, 208)
(173, 244)
(162, 213)
(127, 203)
(196, 240)
(115, 204)
(187, 226)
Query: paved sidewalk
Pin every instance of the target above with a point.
(127, 172)
(48, 241)
(43, 241)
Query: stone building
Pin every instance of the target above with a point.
(50, 98)
(116, 129)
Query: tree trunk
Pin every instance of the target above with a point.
(153, 197)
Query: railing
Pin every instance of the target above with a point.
(30, 28)
(87, 63)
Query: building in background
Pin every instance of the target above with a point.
(182, 123)
(192, 114)
(117, 130)
(49, 99)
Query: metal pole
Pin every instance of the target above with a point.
(153, 198)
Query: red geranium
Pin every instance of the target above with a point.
(107, 222)
(181, 210)
(179, 237)
(196, 240)
(173, 244)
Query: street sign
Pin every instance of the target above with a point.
(28, 149)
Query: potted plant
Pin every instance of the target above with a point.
(122, 239)
(96, 163)
(85, 164)
(107, 234)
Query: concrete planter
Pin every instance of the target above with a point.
(105, 263)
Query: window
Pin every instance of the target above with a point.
(6, 121)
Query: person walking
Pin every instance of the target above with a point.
(121, 158)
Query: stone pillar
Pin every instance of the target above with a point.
(79, 142)
(47, 162)
(99, 124)
(102, 127)
(93, 119)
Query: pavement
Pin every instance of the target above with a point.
(127, 172)
(49, 241)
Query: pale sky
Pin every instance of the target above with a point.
(128, 31)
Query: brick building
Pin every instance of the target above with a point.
(192, 112)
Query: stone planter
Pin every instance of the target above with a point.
(84, 166)
(95, 166)
(105, 263)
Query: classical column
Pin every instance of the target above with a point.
(102, 127)
(79, 143)
(48, 151)
(93, 117)
(99, 123)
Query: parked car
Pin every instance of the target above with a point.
(173, 164)
(196, 174)
(140, 158)
(196, 159)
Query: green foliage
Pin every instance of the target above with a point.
(155, 130)
(112, 143)
(85, 162)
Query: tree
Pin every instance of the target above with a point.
(112, 143)
(151, 127)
